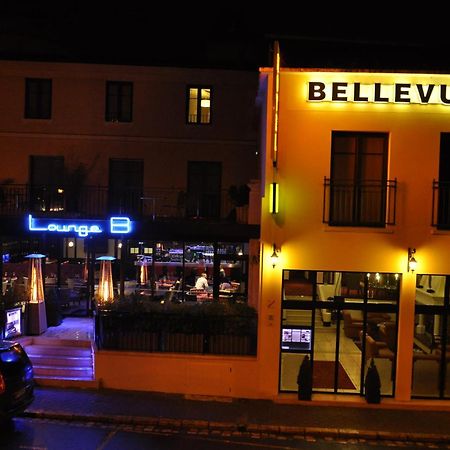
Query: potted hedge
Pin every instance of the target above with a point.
(305, 380)
(372, 384)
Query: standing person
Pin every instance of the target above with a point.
(202, 282)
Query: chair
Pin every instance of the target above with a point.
(388, 334)
(376, 349)
(352, 325)
(378, 317)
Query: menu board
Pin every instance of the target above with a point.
(13, 326)
(295, 338)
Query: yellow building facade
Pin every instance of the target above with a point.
(359, 163)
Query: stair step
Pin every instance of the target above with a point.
(70, 372)
(54, 342)
(65, 382)
(61, 360)
(57, 350)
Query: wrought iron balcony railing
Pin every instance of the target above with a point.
(365, 204)
(100, 201)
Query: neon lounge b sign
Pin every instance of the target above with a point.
(82, 228)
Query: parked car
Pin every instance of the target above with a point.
(16, 380)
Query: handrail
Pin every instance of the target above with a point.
(369, 203)
(100, 201)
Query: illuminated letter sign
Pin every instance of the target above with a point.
(117, 225)
(399, 93)
(121, 225)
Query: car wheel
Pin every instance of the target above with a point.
(7, 425)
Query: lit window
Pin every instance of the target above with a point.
(199, 105)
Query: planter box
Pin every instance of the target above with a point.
(137, 341)
(182, 343)
(230, 345)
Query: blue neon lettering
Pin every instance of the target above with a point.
(120, 225)
(81, 229)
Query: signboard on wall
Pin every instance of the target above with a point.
(13, 323)
(80, 227)
(295, 338)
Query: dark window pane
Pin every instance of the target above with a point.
(119, 101)
(38, 98)
(358, 179)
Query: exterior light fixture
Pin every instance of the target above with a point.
(274, 255)
(412, 263)
(70, 244)
(274, 194)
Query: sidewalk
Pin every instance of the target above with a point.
(289, 417)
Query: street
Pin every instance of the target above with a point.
(45, 434)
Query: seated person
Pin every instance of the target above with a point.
(202, 282)
(224, 282)
(225, 286)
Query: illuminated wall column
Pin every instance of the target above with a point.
(37, 316)
(105, 290)
(405, 337)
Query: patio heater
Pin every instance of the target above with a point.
(37, 316)
(105, 290)
(143, 271)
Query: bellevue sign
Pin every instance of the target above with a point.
(83, 228)
(402, 93)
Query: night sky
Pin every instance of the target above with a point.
(213, 35)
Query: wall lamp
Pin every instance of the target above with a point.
(274, 255)
(273, 200)
(412, 263)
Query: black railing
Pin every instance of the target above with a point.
(161, 332)
(100, 201)
(440, 214)
(365, 204)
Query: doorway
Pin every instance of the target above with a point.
(339, 320)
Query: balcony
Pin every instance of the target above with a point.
(101, 201)
(364, 204)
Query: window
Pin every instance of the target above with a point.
(47, 183)
(38, 98)
(198, 105)
(442, 186)
(204, 182)
(126, 184)
(431, 343)
(119, 101)
(358, 184)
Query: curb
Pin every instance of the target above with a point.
(236, 429)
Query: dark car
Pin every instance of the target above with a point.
(16, 380)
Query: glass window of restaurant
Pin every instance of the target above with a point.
(341, 320)
(431, 345)
(187, 271)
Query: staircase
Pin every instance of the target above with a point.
(61, 362)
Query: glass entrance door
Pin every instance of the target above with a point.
(341, 320)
